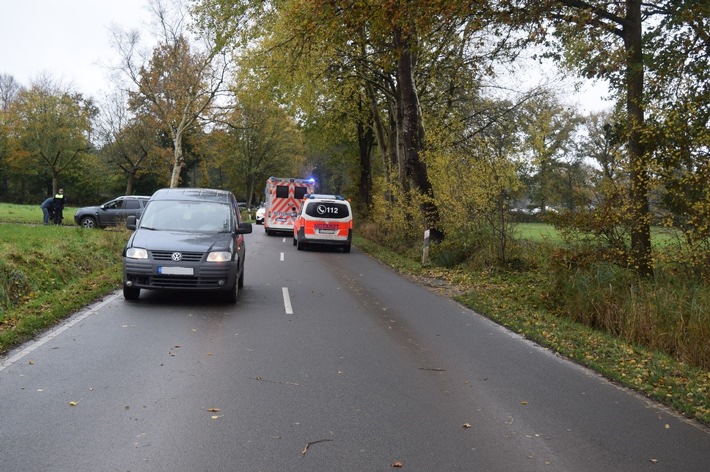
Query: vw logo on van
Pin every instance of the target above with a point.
(177, 257)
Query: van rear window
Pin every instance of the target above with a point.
(328, 210)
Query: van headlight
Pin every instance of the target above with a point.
(136, 253)
(219, 256)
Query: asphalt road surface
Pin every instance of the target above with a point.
(328, 362)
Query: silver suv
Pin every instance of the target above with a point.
(112, 212)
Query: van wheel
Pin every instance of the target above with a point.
(230, 296)
(240, 283)
(295, 242)
(346, 248)
(300, 245)
(131, 293)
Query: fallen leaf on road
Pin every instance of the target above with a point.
(215, 417)
(523, 403)
(397, 464)
(467, 425)
(654, 461)
(213, 410)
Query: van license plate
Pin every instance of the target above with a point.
(176, 270)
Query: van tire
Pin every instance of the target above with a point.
(240, 282)
(230, 296)
(346, 248)
(131, 293)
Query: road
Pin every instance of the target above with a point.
(328, 362)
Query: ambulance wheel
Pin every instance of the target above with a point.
(131, 293)
(294, 241)
(300, 245)
(346, 248)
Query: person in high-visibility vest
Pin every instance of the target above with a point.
(58, 205)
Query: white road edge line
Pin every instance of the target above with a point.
(287, 301)
(56, 332)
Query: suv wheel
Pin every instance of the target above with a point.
(87, 222)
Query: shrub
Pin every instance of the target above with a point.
(665, 313)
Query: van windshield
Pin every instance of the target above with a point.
(170, 215)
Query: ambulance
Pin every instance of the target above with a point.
(324, 220)
(283, 197)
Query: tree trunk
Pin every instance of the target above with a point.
(365, 139)
(129, 183)
(178, 161)
(641, 225)
(412, 136)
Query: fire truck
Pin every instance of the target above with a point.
(282, 200)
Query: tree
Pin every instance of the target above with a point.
(548, 128)
(474, 171)
(614, 41)
(128, 140)
(9, 88)
(51, 128)
(177, 84)
(257, 140)
(377, 57)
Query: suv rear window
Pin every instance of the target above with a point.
(330, 210)
(130, 204)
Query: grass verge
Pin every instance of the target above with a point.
(49, 272)
(515, 300)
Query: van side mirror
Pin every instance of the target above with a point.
(131, 222)
(244, 228)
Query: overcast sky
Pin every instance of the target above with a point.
(67, 39)
(70, 40)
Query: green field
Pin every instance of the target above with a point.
(30, 214)
(537, 232)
